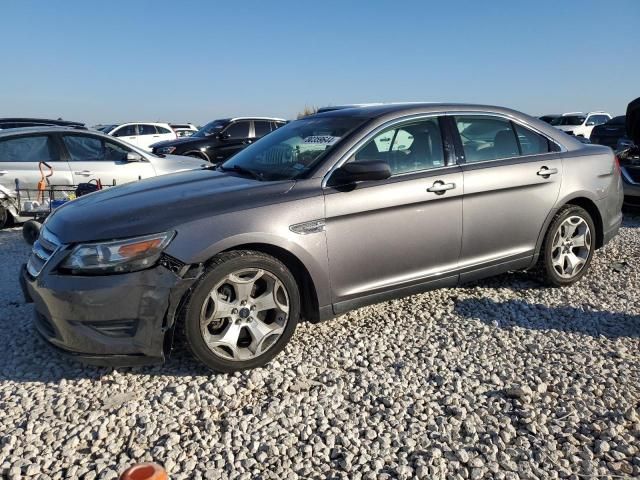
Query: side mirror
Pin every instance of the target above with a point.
(590, 123)
(353, 172)
(134, 157)
(223, 136)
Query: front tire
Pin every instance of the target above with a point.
(568, 246)
(242, 312)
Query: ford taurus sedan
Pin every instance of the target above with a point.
(324, 215)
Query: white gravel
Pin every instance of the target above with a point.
(503, 379)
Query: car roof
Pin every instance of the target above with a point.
(275, 119)
(47, 121)
(43, 129)
(409, 108)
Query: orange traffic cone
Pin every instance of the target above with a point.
(145, 471)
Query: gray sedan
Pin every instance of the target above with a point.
(326, 214)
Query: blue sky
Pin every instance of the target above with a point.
(200, 60)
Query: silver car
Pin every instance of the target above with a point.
(76, 156)
(326, 214)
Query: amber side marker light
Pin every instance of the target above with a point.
(135, 249)
(145, 471)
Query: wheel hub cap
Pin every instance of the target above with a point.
(244, 314)
(571, 247)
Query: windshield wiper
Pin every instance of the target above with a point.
(242, 170)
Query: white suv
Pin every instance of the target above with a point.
(579, 124)
(141, 135)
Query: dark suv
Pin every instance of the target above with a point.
(220, 139)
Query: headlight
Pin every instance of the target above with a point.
(118, 256)
(166, 150)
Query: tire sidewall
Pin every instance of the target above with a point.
(552, 275)
(205, 285)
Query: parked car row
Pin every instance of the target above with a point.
(577, 123)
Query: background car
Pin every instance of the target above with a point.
(579, 124)
(549, 118)
(183, 129)
(6, 123)
(220, 139)
(76, 156)
(141, 135)
(610, 133)
(629, 157)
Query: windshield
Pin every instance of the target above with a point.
(572, 120)
(104, 128)
(621, 120)
(294, 149)
(211, 128)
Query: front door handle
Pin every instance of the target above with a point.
(439, 187)
(545, 172)
(86, 173)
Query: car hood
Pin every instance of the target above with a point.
(160, 204)
(177, 163)
(633, 121)
(177, 141)
(567, 128)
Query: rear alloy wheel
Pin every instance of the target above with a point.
(243, 312)
(569, 246)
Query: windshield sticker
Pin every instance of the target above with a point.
(321, 140)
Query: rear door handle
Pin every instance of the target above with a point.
(86, 173)
(439, 187)
(546, 172)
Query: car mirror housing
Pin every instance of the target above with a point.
(361, 171)
(134, 157)
(590, 123)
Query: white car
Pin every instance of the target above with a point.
(74, 156)
(139, 134)
(580, 124)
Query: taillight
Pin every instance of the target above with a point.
(616, 161)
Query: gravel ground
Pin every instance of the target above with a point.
(500, 379)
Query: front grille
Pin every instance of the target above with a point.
(42, 250)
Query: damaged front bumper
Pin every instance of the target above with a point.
(116, 320)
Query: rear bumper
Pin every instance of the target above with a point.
(117, 320)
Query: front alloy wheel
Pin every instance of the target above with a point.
(243, 312)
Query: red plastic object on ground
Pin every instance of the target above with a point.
(145, 471)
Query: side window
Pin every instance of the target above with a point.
(261, 128)
(27, 149)
(114, 152)
(531, 143)
(238, 130)
(408, 148)
(84, 149)
(276, 125)
(126, 131)
(162, 130)
(147, 129)
(486, 138)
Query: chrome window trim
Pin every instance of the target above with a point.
(420, 116)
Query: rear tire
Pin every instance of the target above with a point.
(243, 311)
(568, 246)
(6, 220)
(31, 231)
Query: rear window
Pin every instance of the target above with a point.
(27, 149)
